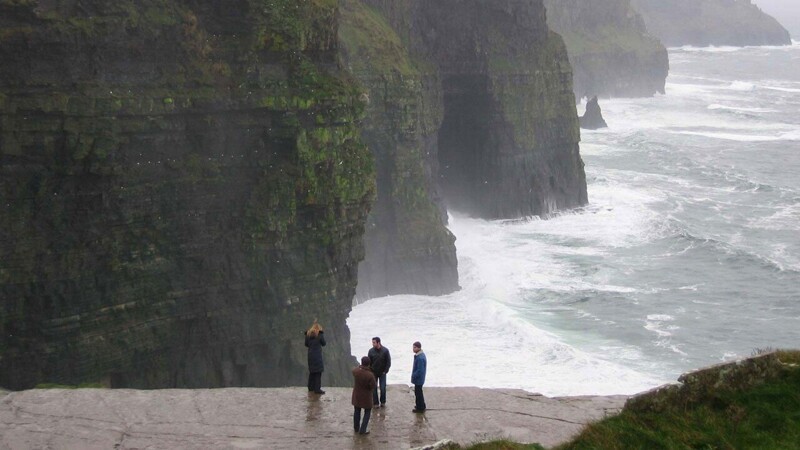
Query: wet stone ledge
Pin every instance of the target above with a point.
(285, 418)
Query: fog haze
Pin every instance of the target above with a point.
(786, 11)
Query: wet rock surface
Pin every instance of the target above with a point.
(285, 418)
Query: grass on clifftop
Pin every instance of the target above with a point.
(765, 417)
(498, 445)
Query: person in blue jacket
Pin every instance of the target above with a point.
(418, 377)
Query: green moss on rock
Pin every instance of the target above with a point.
(184, 198)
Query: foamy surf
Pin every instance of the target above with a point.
(686, 255)
(475, 337)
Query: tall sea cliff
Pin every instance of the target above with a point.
(611, 52)
(184, 190)
(711, 22)
(186, 185)
(470, 110)
(409, 250)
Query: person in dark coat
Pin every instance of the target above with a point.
(418, 377)
(363, 385)
(315, 340)
(381, 362)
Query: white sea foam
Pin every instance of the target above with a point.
(742, 86)
(787, 136)
(469, 335)
(637, 275)
(709, 49)
(716, 106)
(782, 89)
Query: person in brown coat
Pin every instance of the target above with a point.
(363, 385)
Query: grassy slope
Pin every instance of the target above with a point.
(766, 417)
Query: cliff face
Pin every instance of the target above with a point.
(470, 106)
(185, 183)
(710, 22)
(408, 248)
(508, 143)
(183, 190)
(611, 52)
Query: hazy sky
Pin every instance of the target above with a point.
(786, 11)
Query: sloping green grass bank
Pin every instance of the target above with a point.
(765, 416)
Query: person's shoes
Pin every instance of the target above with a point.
(320, 392)
(363, 433)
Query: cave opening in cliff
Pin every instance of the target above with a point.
(462, 140)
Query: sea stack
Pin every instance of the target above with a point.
(592, 119)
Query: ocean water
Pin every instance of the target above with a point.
(688, 254)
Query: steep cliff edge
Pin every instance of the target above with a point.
(408, 248)
(183, 190)
(469, 107)
(611, 52)
(710, 22)
(508, 143)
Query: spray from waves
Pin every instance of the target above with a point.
(741, 86)
(479, 337)
(694, 108)
(786, 218)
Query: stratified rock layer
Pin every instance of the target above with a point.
(611, 52)
(508, 144)
(183, 190)
(470, 106)
(710, 22)
(408, 248)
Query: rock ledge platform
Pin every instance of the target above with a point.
(285, 418)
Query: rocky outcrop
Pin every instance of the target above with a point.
(611, 52)
(592, 119)
(183, 190)
(409, 250)
(710, 22)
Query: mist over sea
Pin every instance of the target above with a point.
(688, 254)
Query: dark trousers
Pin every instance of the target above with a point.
(382, 384)
(419, 397)
(357, 419)
(315, 381)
